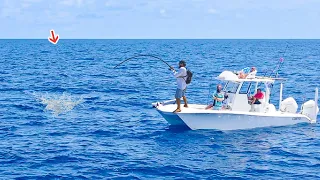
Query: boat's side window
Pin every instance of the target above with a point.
(251, 90)
(225, 86)
(245, 88)
(232, 87)
(261, 84)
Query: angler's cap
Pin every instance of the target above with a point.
(182, 62)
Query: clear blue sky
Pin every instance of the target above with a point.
(160, 18)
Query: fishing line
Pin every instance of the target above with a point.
(143, 55)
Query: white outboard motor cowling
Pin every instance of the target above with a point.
(289, 105)
(270, 108)
(308, 108)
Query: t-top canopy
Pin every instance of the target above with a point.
(230, 76)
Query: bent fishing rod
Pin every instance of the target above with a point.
(143, 55)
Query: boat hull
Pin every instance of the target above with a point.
(196, 117)
(232, 121)
(172, 118)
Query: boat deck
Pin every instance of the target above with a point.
(193, 108)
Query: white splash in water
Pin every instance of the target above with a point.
(58, 104)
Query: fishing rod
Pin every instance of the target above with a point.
(143, 55)
(280, 64)
(276, 70)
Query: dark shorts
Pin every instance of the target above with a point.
(257, 102)
(180, 93)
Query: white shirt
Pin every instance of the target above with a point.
(252, 74)
(181, 77)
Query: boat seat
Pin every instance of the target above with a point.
(256, 108)
(260, 107)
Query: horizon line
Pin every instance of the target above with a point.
(164, 39)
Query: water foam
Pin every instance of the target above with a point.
(58, 104)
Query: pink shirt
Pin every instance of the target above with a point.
(259, 95)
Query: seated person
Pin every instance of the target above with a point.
(245, 73)
(252, 73)
(218, 97)
(257, 97)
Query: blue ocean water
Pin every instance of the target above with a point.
(104, 126)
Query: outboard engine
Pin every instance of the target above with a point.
(308, 108)
(289, 105)
(270, 108)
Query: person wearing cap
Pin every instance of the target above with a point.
(257, 97)
(181, 85)
(218, 98)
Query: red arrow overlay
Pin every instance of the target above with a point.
(53, 39)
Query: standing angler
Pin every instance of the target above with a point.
(181, 76)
